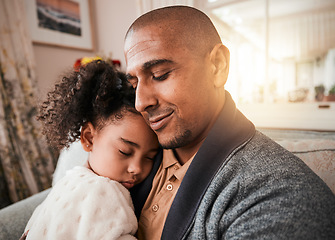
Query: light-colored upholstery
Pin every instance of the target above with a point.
(14, 218)
(318, 154)
(316, 149)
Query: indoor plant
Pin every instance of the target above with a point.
(331, 94)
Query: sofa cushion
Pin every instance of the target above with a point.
(318, 154)
(315, 148)
(14, 218)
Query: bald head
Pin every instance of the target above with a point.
(185, 26)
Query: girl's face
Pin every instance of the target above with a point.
(123, 150)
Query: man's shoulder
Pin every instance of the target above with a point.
(264, 154)
(262, 185)
(262, 167)
(263, 157)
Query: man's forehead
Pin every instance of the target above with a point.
(142, 34)
(163, 31)
(140, 46)
(142, 52)
(143, 42)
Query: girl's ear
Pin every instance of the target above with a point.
(86, 136)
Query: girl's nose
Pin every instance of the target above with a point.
(135, 167)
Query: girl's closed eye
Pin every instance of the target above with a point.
(125, 153)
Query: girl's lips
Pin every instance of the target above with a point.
(160, 122)
(128, 184)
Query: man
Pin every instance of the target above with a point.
(218, 178)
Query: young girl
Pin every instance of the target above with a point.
(95, 105)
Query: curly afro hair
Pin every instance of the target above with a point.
(93, 94)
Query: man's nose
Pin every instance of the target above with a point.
(145, 96)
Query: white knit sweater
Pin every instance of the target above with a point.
(83, 205)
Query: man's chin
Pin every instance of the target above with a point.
(177, 141)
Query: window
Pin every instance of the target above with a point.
(282, 57)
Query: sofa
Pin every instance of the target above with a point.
(316, 149)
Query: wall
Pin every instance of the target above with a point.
(111, 19)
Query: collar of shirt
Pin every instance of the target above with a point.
(170, 160)
(164, 189)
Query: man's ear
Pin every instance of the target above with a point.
(219, 57)
(86, 136)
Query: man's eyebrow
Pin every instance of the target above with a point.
(130, 142)
(150, 64)
(155, 62)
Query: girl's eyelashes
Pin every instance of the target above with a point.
(161, 77)
(125, 153)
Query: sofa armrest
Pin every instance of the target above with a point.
(13, 219)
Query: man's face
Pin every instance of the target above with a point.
(175, 92)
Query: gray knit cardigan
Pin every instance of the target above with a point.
(243, 185)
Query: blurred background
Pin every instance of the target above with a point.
(282, 51)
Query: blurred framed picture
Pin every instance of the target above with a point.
(63, 23)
